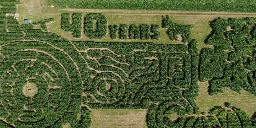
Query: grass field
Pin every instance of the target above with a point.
(243, 100)
(196, 5)
(118, 118)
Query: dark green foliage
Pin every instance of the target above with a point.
(235, 77)
(253, 119)
(8, 6)
(231, 62)
(193, 90)
(174, 30)
(12, 25)
(72, 24)
(201, 121)
(212, 64)
(230, 33)
(134, 31)
(36, 59)
(26, 26)
(65, 22)
(189, 5)
(231, 117)
(135, 77)
(113, 31)
(95, 26)
(143, 69)
(158, 115)
(127, 75)
(85, 117)
(10, 29)
(144, 32)
(155, 34)
(160, 77)
(217, 117)
(122, 31)
(166, 21)
(36, 34)
(76, 24)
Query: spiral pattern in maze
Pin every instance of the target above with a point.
(158, 115)
(108, 77)
(37, 79)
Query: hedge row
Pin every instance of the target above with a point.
(175, 30)
(95, 32)
(74, 26)
(133, 31)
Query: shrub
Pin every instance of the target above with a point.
(95, 25)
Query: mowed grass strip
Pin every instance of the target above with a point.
(118, 118)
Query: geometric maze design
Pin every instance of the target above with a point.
(47, 81)
(36, 84)
(44, 84)
(129, 76)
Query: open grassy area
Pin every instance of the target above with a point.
(244, 100)
(118, 118)
(196, 5)
(35, 10)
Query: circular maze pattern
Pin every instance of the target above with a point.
(37, 80)
(108, 77)
(158, 115)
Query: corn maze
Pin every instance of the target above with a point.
(47, 81)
